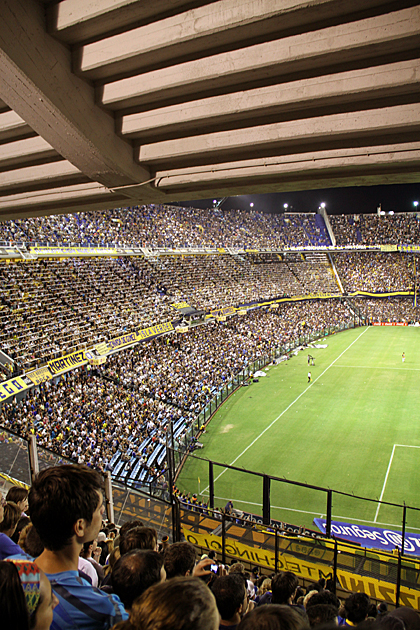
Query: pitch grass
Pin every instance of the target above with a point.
(336, 432)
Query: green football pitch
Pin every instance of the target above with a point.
(355, 428)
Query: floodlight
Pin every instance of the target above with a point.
(415, 204)
(391, 212)
(285, 206)
(322, 205)
(251, 204)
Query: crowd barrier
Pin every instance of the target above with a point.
(350, 567)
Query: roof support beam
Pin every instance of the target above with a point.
(337, 48)
(376, 126)
(350, 89)
(36, 81)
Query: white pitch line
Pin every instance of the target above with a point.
(287, 409)
(335, 517)
(386, 479)
(387, 473)
(370, 367)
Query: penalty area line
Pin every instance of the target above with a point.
(387, 474)
(287, 409)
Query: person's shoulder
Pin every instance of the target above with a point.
(9, 548)
(79, 588)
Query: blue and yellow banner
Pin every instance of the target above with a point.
(74, 360)
(140, 335)
(12, 387)
(40, 375)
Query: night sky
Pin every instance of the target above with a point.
(352, 200)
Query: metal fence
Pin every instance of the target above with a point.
(308, 554)
(345, 567)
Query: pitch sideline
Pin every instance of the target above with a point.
(287, 409)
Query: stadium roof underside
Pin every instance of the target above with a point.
(114, 103)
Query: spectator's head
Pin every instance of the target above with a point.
(179, 559)
(386, 622)
(18, 496)
(11, 517)
(178, 604)
(273, 617)
(382, 609)
(40, 601)
(237, 567)
(231, 597)
(283, 587)
(30, 541)
(14, 613)
(321, 613)
(66, 502)
(409, 616)
(129, 525)
(324, 598)
(356, 607)
(139, 538)
(134, 572)
(21, 524)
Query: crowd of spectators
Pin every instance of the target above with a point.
(173, 227)
(375, 272)
(392, 309)
(115, 417)
(376, 229)
(49, 308)
(170, 227)
(71, 569)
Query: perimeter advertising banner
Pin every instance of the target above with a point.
(372, 537)
(308, 568)
(389, 324)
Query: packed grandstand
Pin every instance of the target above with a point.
(75, 287)
(120, 324)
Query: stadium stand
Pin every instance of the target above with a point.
(115, 417)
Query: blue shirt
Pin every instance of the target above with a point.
(81, 606)
(8, 547)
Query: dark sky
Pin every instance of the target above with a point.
(354, 200)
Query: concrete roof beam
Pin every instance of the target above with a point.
(26, 152)
(297, 169)
(285, 137)
(67, 199)
(337, 47)
(206, 30)
(74, 21)
(13, 127)
(42, 176)
(38, 84)
(298, 98)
